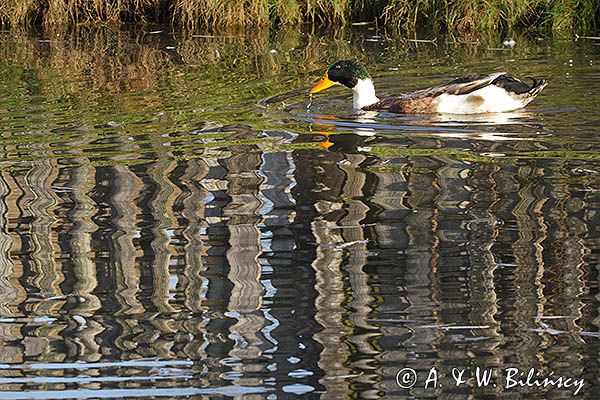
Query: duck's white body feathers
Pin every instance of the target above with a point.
(489, 99)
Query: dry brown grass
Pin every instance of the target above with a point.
(560, 16)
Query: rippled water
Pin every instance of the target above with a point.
(176, 221)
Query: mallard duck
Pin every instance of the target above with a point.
(470, 94)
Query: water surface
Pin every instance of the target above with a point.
(178, 223)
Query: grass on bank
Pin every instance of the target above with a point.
(455, 16)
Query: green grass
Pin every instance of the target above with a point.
(466, 16)
(454, 16)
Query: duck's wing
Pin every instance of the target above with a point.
(470, 83)
(463, 85)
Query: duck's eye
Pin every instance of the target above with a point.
(338, 66)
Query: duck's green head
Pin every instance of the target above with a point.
(344, 72)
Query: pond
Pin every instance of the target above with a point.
(180, 220)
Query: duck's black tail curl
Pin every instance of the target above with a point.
(537, 86)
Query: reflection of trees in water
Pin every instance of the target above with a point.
(347, 264)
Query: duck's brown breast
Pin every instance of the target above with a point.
(405, 104)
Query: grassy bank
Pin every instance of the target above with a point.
(456, 16)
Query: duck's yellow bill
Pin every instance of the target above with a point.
(323, 84)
